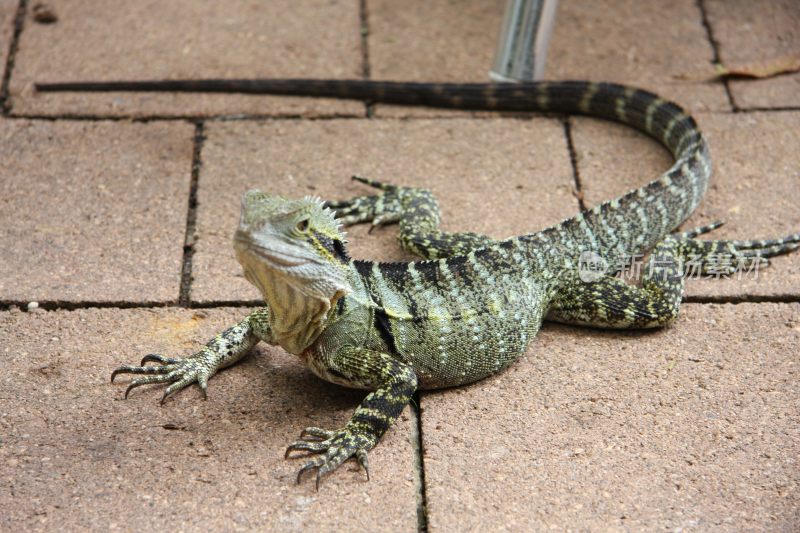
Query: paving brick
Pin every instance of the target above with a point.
(753, 187)
(618, 41)
(76, 456)
(432, 41)
(601, 41)
(694, 426)
(102, 39)
(92, 210)
(691, 427)
(758, 32)
(500, 177)
(8, 10)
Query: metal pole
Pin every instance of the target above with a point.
(522, 47)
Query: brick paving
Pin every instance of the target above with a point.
(749, 31)
(117, 212)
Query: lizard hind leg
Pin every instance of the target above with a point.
(610, 302)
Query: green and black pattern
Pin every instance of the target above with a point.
(474, 304)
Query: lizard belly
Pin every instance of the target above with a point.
(465, 344)
(448, 356)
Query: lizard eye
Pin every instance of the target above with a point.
(302, 226)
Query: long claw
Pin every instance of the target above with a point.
(332, 462)
(203, 384)
(381, 209)
(305, 446)
(175, 387)
(158, 358)
(132, 386)
(339, 447)
(737, 254)
(308, 466)
(162, 378)
(163, 398)
(177, 373)
(361, 457)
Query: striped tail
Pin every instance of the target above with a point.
(629, 224)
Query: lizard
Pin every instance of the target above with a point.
(472, 304)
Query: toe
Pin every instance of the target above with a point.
(306, 446)
(178, 385)
(311, 465)
(319, 433)
(132, 369)
(163, 378)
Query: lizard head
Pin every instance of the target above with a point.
(295, 244)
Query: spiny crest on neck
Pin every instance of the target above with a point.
(310, 215)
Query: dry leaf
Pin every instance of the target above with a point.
(764, 69)
(758, 70)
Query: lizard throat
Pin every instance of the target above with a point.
(296, 318)
(299, 290)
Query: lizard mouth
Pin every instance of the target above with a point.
(277, 259)
(268, 259)
(275, 253)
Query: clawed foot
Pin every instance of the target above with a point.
(180, 373)
(334, 447)
(380, 209)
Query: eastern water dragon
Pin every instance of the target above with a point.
(473, 304)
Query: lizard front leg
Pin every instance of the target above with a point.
(222, 351)
(417, 212)
(395, 383)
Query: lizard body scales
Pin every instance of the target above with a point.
(472, 307)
